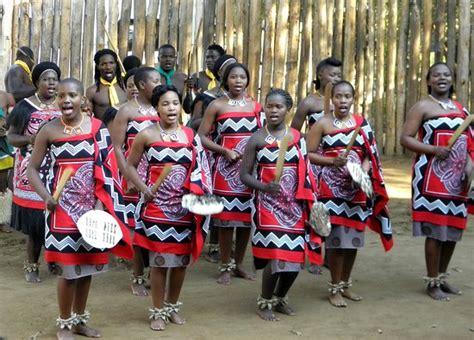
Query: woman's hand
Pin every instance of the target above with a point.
(148, 195)
(339, 161)
(271, 188)
(51, 203)
(231, 155)
(441, 152)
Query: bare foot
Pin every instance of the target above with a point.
(240, 272)
(224, 278)
(5, 228)
(32, 277)
(437, 294)
(86, 331)
(158, 324)
(267, 314)
(64, 334)
(336, 300)
(450, 289)
(212, 256)
(350, 295)
(314, 269)
(285, 309)
(177, 319)
(139, 289)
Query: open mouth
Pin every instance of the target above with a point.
(67, 109)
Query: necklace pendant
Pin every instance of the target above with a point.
(174, 137)
(270, 139)
(67, 130)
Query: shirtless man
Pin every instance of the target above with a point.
(329, 70)
(108, 90)
(206, 80)
(18, 77)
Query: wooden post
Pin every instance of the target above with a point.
(292, 52)
(100, 27)
(174, 20)
(24, 32)
(244, 9)
(76, 29)
(390, 109)
(65, 38)
(182, 47)
(187, 37)
(151, 36)
(270, 10)
(6, 23)
(414, 53)
(198, 34)
(255, 34)
(139, 15)
(208, 23)
(220, 22)
(380, 72)
(124, 27)
(88, 41)
(370, 65)
(112, 22)
(239, 30)
(15, 29)
(462, 70)
(305, 54)
(440, 37)
(37, 16)
(164, 22)
(322, 20)
(281, 42)
(339, 29)
(401, 72)
(349, 41)
(330, 26)
(361, 45)
(316, 31)
(229, 29)
(426, 49)
(452, 6)
(47, 29)
(56, 32)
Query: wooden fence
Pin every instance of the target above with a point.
(386, 46)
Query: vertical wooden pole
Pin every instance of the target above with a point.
(6, 24)
(292, 52)
(36, 21)
(174, 19)
(139, 15)
(305, 54)
(229, 29)
(380, 72)
(15, 29)
(255, 34)
(330, 27)
(370, 65)
(239, 30)
(124, 27)
(440, 36)
(361, 45)
(413, 84)
(339, 28)
(24, 31)
(88, 41)
(220, 22)
(462, 70)
(47, 29)
(164, 22)
(245, 7)
(268, 50)
(281, 42)
(426, 49)
(65, 38)
(390, 109)
(112, 22)
(56, 32)
(151, 36)
(100, 27)
(199, 20)
(181, 46)
(349, 41)
(187, 37)
(401, 72)
(316, 31)
(208, 23)
(78, 12)
(324, 50)
(452, 6)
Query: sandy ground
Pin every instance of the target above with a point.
(394, 304)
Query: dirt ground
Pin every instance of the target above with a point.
(394, 304)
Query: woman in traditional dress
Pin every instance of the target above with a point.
(350, 208)
(81, 143)
(441, 176)
(231, 119)
(170, 232)
(23, 124)
(280, 238)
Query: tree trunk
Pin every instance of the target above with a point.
(220, 22)
(440, 36)
(390, 110)
(339, 28)
(426, 49)
(452, 6)
(305, 54)
(281, 42)
(361, 45)
(462, 78)
(414, 53)
(380, 75)
(369, 56)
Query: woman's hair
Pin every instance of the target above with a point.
(131, 62)
(229, 69)
(331, 61)
(224, 61)
(280, 92)
(160, 90)
(42, 67)
(428, 75)
(340, 83)
(129, 74)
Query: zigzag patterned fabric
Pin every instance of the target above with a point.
(232, 131)
(163, 225)
(439, 190)
(94, 178)
(347, 205)
(280, 231)
(133, 128)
